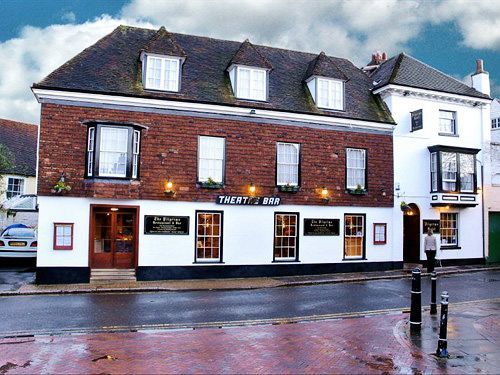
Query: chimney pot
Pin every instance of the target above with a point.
(479, 66)
(384, 56)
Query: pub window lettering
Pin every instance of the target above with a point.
(113, 152)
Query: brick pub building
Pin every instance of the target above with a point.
(191, 157)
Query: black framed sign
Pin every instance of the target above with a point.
(416, 120)
(433, 224)
(321, 227)
(154, 224)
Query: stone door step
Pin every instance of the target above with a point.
(112, 275)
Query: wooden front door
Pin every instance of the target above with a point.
(113, 233)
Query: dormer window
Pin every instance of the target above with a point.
(161, 73)
(249, 83)
(329, 93)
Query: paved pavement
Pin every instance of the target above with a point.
(41, 314)
(28, 287)
(373, 344)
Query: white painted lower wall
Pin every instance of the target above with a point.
(248, 233)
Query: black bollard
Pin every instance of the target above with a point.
(433, 293)
(442, 349)
(416, 301)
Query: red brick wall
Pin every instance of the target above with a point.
(250, 152)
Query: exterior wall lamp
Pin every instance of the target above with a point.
(168, 187)
(251, 188)
(324, 194)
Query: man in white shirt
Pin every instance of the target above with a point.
(430, 247)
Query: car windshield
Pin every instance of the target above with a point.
(19, 233)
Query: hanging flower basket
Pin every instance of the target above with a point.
(60, 188)
(404, 207)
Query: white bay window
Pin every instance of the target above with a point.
(113, 151)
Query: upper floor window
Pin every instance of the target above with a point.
(113, 151)
(15, 187)
(330, 94)
(495, 123)
(453, 172)
(288, 156)
(162, 73)
(356, 168)
(251, 83)
(211, 152)
(447, 123)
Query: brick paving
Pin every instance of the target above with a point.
(372, 344)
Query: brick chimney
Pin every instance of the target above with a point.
(481, 78)
(378, 58)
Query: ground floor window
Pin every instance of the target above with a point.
(15, 187)
(449, 229)
(286, 236)
(354, 236)
(208, 236)
(63, 236)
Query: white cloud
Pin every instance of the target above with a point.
(478, 21)
(36, 53)
(69, 17)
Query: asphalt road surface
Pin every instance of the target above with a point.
(88, 312)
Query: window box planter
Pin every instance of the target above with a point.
(210, 185)
(288, 188)
(357, 191)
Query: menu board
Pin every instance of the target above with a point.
(433, 224)
(166, 224)
(321, 227)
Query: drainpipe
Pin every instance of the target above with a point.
(482, 211)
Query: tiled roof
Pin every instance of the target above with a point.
(405, 70)
(248, 55)
(21, 140)
(164, 43)
(112, 66)
(324, 66)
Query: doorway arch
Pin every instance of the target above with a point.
(411, 234)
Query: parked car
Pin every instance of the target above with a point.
(18, 242)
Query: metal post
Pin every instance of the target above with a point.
(442, 349)
(433, 293)
(416, 301)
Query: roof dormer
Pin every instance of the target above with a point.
(162, 60)
(249, 73)
(326, 82)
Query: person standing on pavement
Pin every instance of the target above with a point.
(430, 247)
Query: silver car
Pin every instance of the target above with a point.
(18, 243)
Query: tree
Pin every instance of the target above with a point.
(5, 164)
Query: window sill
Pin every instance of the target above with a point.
(206, 185)
(448, 135)
(288, 188)
(286, 261)
(444, 247)
(208, 262)
(111, 180)
(356, 192)
(352, 259)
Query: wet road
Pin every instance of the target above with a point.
(57, 313)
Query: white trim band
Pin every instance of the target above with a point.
(48, 96)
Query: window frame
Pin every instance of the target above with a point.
(198, 164)
(365, 187)
(221, 238)
(252, 70)
(62, 247)
(23, 187)
(298, 165)
(439, 172)
(363, 251)
(455, 127)
(92, 152)
(330, 82)
(384, 240)
(456, 229)
(163, 59)
(297, 236)
(495, 123)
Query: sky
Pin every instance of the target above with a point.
(37, 36)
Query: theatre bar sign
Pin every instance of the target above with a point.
(248, 201)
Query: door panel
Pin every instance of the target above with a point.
(113, 237)
(494, 238)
